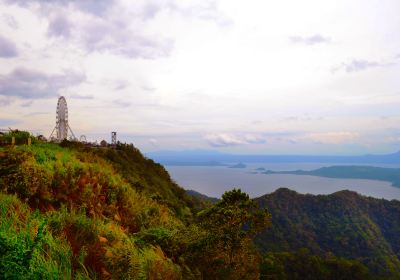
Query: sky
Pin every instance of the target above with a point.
(254, 77)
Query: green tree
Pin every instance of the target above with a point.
(226, 250)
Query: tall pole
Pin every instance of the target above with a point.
(114, 139)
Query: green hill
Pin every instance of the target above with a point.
(202, 197)
(73, 212)
(345, 224)
(68, 211)
(85, 207)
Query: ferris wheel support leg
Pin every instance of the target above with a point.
(72, 132)
(52, 132)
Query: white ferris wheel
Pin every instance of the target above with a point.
(62, 126)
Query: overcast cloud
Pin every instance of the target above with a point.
(310, 40)
(32, 84)
(237, 76)
(8, 48)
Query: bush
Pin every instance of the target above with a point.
(27, 249)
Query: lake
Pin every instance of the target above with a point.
(214, 181)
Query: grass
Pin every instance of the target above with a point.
(27, 249)
(87, 222)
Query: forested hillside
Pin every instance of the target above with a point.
(68, 211)
(74, 212)
(345, 224)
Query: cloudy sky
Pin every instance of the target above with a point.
(272, 77)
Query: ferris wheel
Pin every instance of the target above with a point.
(62, 126)
(62, 118)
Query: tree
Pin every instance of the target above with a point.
(227, 251)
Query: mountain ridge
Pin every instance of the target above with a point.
(200, 156)
(345, 223)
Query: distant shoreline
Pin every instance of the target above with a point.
(391, 175)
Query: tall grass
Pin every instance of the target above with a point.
(89, 216)
(27, 249)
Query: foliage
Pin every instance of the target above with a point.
(27, 249)
(79, 180)
(116, 214)
(105, 249)
(224, 250)
(21, 137)
(204, 200)
(73, 212)
(301, 265)
(149, 177)
(91, 206)
(344, 223)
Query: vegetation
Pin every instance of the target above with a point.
(301, 265)
(204, 199)
(68, 211)
(148, 177)
(231, 225)
(20, 137)
(85, 203)
(344, 223)
(27, 249)
(73, 212)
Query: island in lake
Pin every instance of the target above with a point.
(239, 165)
(350, 172)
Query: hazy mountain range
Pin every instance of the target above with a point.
(213, 158)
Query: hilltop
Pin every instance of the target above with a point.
(73, 212)
(86, 211)
(344, 223)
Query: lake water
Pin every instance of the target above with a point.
(214, 181)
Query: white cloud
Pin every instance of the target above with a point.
(334, 138)
(223, 140)
(310, 40)
(254, 139)
(357, 65)
(226, 139)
